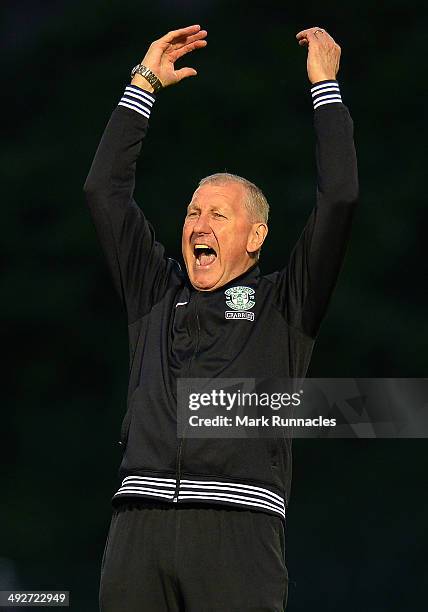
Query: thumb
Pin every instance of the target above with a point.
(185, 72)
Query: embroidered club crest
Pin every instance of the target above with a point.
(239, 299)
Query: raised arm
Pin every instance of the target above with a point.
(306, 284)
(141, 272)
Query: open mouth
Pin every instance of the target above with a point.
(204, 254)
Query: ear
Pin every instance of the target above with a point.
(256, 237)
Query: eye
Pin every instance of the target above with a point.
(219, 215)
(192, 213)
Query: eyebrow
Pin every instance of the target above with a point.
(193, 205)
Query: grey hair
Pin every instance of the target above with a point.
(255, 202)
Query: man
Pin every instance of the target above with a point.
(198, 524)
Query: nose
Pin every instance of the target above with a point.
(202, 226)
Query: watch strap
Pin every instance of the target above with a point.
(148, 75)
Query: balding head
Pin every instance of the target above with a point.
(254, 199)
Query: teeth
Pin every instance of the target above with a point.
(201, 246)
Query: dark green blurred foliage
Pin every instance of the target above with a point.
(356, 530)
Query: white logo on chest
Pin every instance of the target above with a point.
(240, 299)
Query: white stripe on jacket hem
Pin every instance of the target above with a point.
(245, 496)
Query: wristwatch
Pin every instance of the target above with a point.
(148, 75)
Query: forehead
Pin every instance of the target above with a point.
(230, 194)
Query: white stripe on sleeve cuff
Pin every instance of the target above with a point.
(325, 92)
(138, 100)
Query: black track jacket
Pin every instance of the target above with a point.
(176, 331)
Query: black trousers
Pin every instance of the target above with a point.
(161, 557)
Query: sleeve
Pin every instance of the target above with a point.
(141, 272)
(305, 285)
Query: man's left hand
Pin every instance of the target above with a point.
(323, 54)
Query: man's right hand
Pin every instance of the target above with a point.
(163, 52)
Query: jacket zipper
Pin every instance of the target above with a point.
(181, 441)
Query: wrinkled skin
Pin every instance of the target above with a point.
(217, 217)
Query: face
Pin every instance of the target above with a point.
(218, 237)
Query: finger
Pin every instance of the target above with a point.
(183, 73)
(308, 39)
(317, 39)
(198, 44)
(171, 36)
(303, 33)
(311, 36)
(323, 36)
(185, 40)
(323, 39)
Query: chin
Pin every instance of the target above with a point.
(203, 278)
(203, 284)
